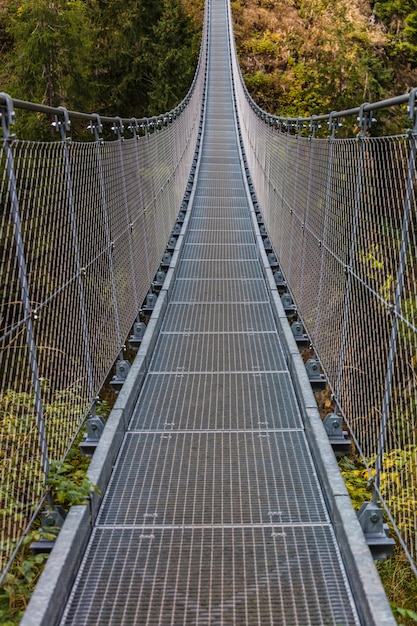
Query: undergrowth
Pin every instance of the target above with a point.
(397, 577)
(69, 485)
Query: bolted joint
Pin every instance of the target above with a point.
(96, 126)
(333, 424)
(333, 124)
(316, 378)
(149, 305)
(288, 304)
(52, 520)
(338, 438)
(160, 277)
(166, 260)
(135, 340)
(412, 108)
(95, 428)
(8, 116)
(122, 370)
(62, 123)
(133, 127)
(376, 532)
(301, 338)
(118, 127)
(365, 119)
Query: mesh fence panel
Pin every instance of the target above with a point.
(341, 214)
(84, 226)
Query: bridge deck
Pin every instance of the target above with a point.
(214, 513)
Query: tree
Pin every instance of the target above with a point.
(52, 45)
(172, 56)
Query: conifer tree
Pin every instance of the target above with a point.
(49, 62)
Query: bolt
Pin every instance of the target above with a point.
(374, 518)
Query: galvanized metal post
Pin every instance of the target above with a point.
(333, 125)
(364, 122)
(283, 188)
(314, 126)
(292, 252)
(118, 128)
(396, 310)
(134, 127)
(149, 125)
(96, 128)
(64, 126)
(7, 120)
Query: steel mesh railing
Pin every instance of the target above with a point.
(341, 214)
(83, 228)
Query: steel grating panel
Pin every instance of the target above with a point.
(212, 478)
(234, 169)
(221, 318)
(243, 352)
(213, 269)
(217, 290)
(221, 237)
(214, 513)
(210, 204)
(216, 158)
(217, 401)
(220, 223)
(221, 174)
(220, 252)
(223, 191)
(230, 211)
(212, 576)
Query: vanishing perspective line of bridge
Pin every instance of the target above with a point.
(215, 241)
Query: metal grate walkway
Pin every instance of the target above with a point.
(214, 513)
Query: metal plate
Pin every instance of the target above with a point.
(212, 269)
(225, 477)
(216, 401)
(210, 291)
(222, 317)
(220, 252)
(212, 576)
(220, 223)
(222, 237)
(218, 353)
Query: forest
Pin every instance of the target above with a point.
(298, 57)
(127, 58)
(307, 57)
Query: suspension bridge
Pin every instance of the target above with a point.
(220, 499)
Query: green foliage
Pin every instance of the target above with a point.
(320, 56)
(400, 20)
(69, 483)
(408, 614)
(135, 57)
(69, 486)
(20, 458)
(356, 478)
(19, 584)
(51, 51)
(400, 584)
(397, 577)
(172, 55)
(398, 480)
